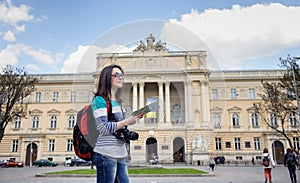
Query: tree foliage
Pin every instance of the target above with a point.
(279, 106)
(16, 85)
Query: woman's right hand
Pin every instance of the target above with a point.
(132, 119)
(129, 121)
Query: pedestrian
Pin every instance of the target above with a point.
(268, 164)
(290, 162)
(110, 153)
(212, 162)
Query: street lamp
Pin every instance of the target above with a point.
(30, 153)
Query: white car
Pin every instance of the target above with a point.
(68, 162)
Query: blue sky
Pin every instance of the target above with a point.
(55, 36)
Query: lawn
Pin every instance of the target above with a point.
(148, 171)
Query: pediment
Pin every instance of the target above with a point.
(53, 111)
(35, 112)
(251, 109)
(235, 108)
(71, 111)
(216, 109)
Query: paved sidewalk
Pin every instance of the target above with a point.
(223, 174)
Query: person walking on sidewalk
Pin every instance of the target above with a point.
(268, 164)
(290, 162)
(212, 162)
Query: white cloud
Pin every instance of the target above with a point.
(32, 67)
(20, 28)
(243, 33)
(12, 14)
(9, 36)
(10, 55)
(84, 58)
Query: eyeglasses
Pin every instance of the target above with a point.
(118, 75)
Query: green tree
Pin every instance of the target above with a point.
(278, 108)
(16, 85)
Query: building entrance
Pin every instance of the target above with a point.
(34, 153)
(178, 150)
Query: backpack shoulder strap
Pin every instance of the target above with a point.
(109, 107)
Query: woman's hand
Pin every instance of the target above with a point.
(129, 121)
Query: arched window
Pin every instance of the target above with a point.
(217, 120)
(176, 114)
(235, 119)
(273, 119)
(254, 119)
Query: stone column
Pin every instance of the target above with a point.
(205, 104)
(167, 98)
(161, 103)
(141, 98)
(188, 101)
(134, 97)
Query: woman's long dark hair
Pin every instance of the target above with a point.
(104, 84)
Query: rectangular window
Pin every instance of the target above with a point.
(53, 122)
(18, 123)
(237, 143)
(71, 121)
(51, 145)
(55, 96)
(256, 142)
(296, 143)
(38, 97)
(215, 94)
(252, 93)
(73, 96)
(218, 143)
(233, 93)
(14, 146)
(35, 122)
(247, 144)
(70, 145)
(228, 145)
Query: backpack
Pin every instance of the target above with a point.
(290, 160)
(85, 133)
(266, 161)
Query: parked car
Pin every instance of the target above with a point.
(13, 163)
(3, 163)
(44, 162)
(77, 162)
(220, 160)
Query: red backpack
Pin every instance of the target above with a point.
(85, 133)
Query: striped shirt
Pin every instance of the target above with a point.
(107, 144)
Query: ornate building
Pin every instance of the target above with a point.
(200, 110)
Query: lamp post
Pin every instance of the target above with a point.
(30, 155)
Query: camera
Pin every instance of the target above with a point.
(125, 135)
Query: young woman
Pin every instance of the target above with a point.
(268, 168)
(110, 153)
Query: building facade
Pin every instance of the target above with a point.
(200, 110)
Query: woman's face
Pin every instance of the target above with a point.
(117, 78)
